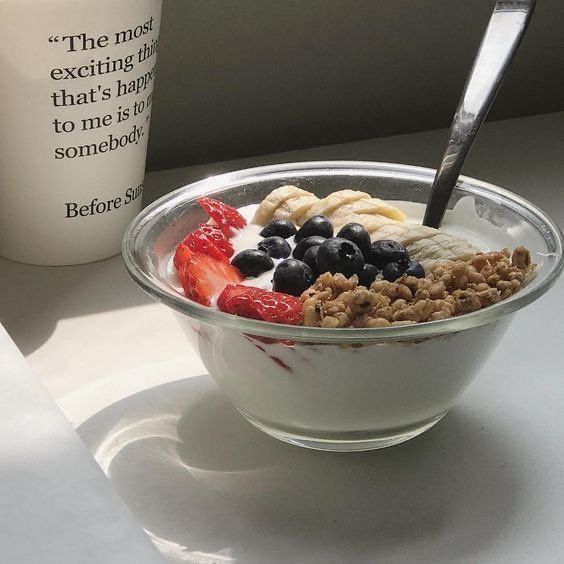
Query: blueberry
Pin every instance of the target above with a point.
(382, 252)
(339, 255)
(394, 270)
(280, 227)
(367, 275)
(276, 247)
(310, 258)
(315, 225)
(357, 234)
(305, 244)
(415, 269)
(252, 262)
(292, 277)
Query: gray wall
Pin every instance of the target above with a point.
(243, 77)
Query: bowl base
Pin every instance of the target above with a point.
(346, 442)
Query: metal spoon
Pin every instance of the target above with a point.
(505, 30)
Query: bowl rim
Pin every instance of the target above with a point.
(217, 183)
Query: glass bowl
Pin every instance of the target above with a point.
(340, 389)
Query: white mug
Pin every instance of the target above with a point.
(76, 83)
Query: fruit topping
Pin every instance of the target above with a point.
(276, 247)
(252, 262)
(181, 256)
(367, 275)
(204, 277)
(415, 269)
(229, 292)
(261, 304)
(199, 242)
(393, 270)
(356, 233)
(382, 252)
(305, 244)
(280, 227)
(339, 255)
(310, 258)
(221, 241)
(316, 225)
(292, 277)
(227, 218)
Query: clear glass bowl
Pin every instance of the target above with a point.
(339, 389)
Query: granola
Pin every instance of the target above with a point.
(451, 288)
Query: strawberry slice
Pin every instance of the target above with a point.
(199, 242)
(255, 303)
(227, 218)
(204, 277)
(208, 239)
(214, 233)
(229, 292)
(181, 256)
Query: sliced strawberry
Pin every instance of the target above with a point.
(274, 307)
(215, 233)
(231, 292)
(199, 242)
(204, 277)
(227, 218)
(181, 256)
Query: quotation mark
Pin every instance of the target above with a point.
(54, 39)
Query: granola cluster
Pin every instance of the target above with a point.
(451, 288)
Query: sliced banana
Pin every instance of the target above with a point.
(441, 246)
(375, 206)
(415, 233)
(371, 223)
(283, 195)
(296, 209)
(368, 206)
(335, 201)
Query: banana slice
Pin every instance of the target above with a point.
(283, 195)
(371, 223)
(370, 206)
(376, 206)
(390, 231)
(441, 246)
(335, 201)
(297, 209)
(415, 233)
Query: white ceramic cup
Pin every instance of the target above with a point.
(76, 92)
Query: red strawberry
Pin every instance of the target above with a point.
(230, 292)
(204, 277)
(227, 218)
(199, 242)
(268, 306)
(181, 256)
(214, 233)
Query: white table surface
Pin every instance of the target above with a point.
(485, 485)
(57, 507)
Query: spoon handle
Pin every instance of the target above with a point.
(505, 30)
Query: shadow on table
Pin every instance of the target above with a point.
(207, 486)
(35, 298)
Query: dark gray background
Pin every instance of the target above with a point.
(248, 77)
